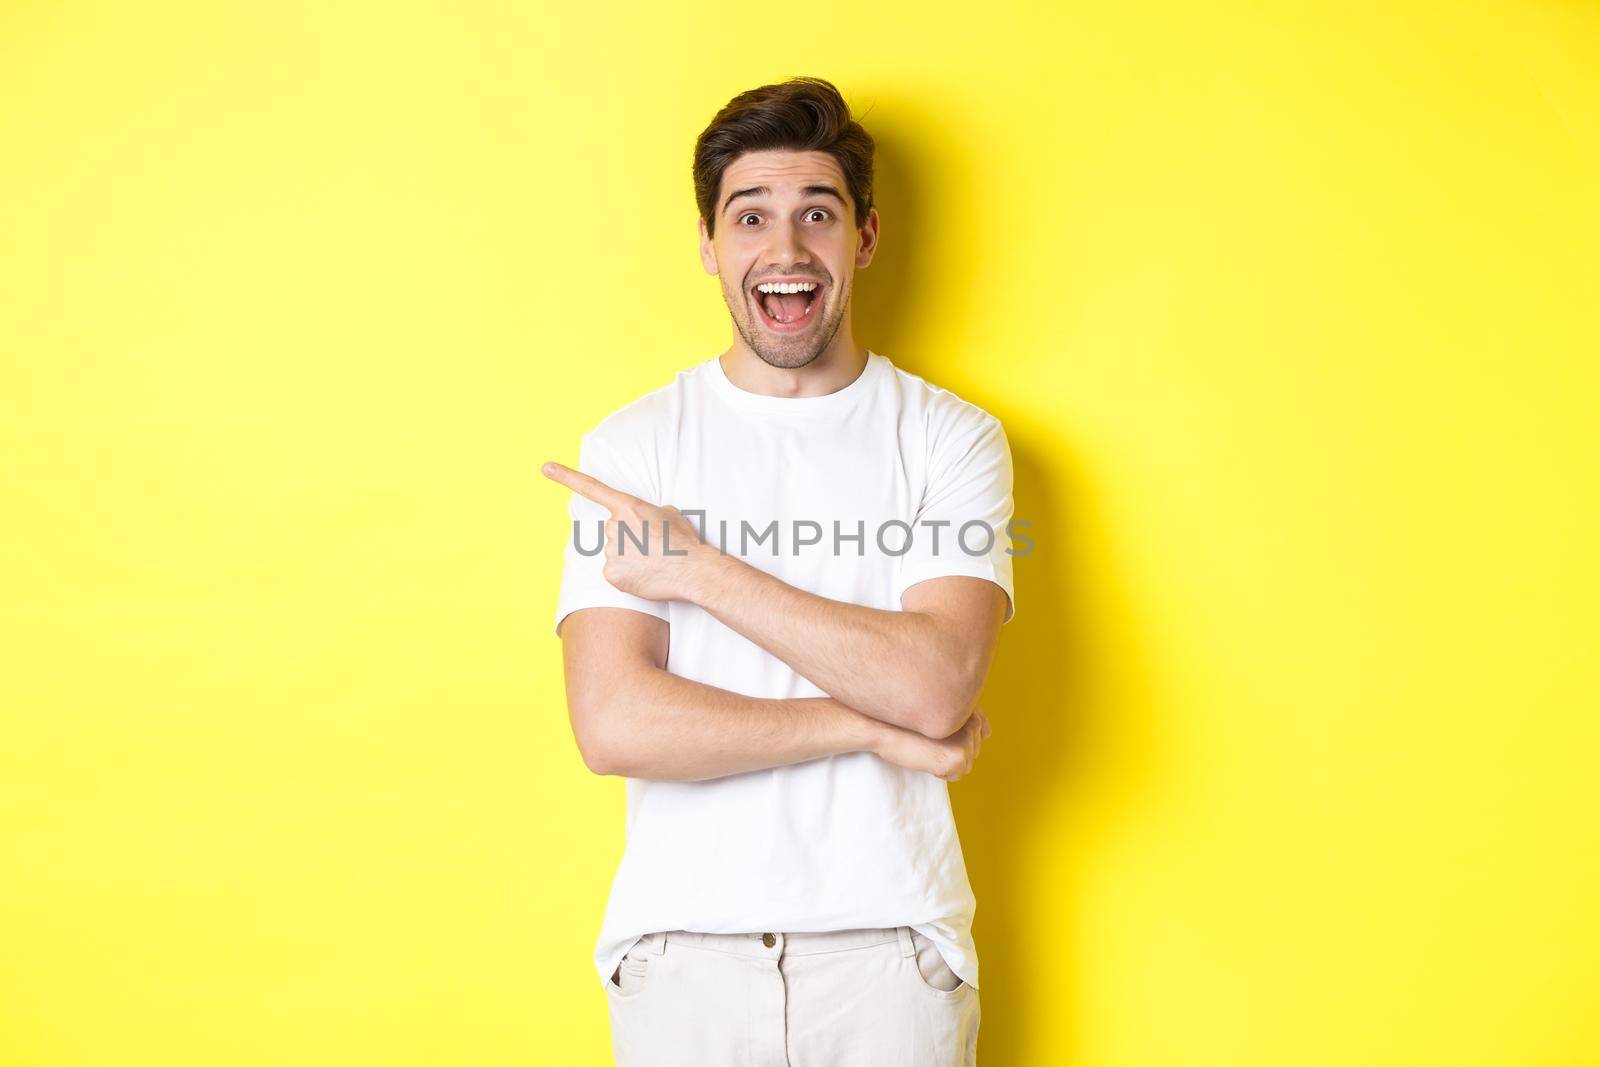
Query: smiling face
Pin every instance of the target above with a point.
(786, 249)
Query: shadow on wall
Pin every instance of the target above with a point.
(1072, 739)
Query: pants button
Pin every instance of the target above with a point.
(768, 940)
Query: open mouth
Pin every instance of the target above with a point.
(787, 311)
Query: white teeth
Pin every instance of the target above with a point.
(786, 287)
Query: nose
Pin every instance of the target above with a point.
(785, 248)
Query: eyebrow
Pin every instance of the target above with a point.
(762, 190)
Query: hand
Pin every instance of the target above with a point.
(945, 757)
(650, 571)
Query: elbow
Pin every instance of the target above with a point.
(597, 741)
(597, 759)
(947, 709)
(949, 683)
(609, 683)
(940, 723)
(604, 748)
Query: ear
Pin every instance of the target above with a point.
(869, 240)
(708, 255)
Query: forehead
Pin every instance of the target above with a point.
(784, 171)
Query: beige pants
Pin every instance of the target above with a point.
(840, 998)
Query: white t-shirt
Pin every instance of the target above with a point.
(788, 484)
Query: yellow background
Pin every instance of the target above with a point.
(1289, 312)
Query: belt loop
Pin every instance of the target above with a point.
(907, 946)
(658, 942)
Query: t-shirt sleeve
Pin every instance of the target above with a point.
(583, 580)
(969, 504)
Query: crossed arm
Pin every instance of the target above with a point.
(903, 684)
(921, 668)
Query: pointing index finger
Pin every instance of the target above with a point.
(586, 486)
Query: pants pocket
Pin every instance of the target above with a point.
(632, 972)
(932, 969)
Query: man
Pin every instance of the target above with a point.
(788, 684)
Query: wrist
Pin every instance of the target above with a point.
(710, 571)
(871, 735)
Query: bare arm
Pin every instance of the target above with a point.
(921, 668)
(634, 718)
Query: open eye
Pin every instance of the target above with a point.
(748, 215)
(823, 210)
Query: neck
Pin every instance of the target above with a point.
(840, 364)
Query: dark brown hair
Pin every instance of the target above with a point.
(800, 114)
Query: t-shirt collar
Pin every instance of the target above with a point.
(794, 405)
